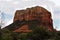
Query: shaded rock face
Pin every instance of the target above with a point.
(34, 13)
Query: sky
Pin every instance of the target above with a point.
(9, 7)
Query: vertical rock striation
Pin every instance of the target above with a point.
(34, 13)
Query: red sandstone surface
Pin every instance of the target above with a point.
(34, 13)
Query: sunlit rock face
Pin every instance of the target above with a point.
(34, 13)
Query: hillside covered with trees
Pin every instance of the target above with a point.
(39, 33)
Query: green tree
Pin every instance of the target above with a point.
(6, 35)
(40, 33)
(57, 35)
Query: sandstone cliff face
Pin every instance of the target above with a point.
(34, 13)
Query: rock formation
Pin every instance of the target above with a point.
(35, 13)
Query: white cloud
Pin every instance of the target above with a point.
(56, 12)
(8, 0)
(9, 6)
(57, 2)
(16, 2)
(8, 22)
(56, 18)
(27, 0)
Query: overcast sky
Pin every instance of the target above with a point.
(10, 6)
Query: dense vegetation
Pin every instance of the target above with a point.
(39, 33)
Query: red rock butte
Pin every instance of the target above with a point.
(35, 13)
